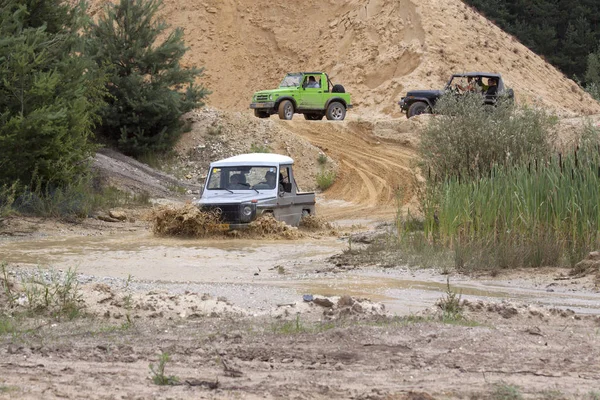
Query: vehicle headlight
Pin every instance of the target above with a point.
(270, 97)
(247, 211)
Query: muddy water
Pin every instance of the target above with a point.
(280, 270)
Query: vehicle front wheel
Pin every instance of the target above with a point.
(286, 110)
(336, 111)
(313, 117)
(418, 108)
(261, 114)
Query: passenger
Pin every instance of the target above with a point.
(237, 181)
(312, 83)
(471, 86)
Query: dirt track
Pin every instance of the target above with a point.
(373, 172)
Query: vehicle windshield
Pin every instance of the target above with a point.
(291, 80)
(242, 178)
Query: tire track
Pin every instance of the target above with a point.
(371, 170)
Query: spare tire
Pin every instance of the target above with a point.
(338, 89)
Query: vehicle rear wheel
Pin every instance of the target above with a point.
(313, 117)
(418, 108)
(336, 111)
(286, 110)
(261, 114)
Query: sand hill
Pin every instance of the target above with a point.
(377, 49)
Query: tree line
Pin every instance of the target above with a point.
(68, 82)
(565, 32)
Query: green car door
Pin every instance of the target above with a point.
(311, 97)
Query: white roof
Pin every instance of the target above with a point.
(254, 159)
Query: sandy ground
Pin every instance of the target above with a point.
(231, 312)
(378, 49)
(231, 315)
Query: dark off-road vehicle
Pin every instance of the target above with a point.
(419, 102)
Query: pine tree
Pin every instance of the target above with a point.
(49, 93)
(149, 89)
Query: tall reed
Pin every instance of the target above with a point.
(531, 213)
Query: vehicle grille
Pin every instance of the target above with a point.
(262, 97)
(230, 213)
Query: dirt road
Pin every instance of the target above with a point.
(375, 174)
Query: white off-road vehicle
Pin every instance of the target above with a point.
(244, 187)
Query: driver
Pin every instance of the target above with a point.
(312, 83)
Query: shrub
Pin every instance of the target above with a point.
(469, 137)
(500, 198)
(325, 179)
(259, 148)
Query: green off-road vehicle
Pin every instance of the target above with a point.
(308, 93)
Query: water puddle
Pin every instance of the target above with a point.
(402, 295)
(287, 265)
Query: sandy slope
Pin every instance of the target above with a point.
(378, 49)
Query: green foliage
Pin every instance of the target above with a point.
(564, 32)
(325, 179)
(450, 305)
(322, 159)
(289, 327)
(158, 372)
(592, 75)
(76, 199)
(54, 293)
(49, 93)
(259, 148)
(522, 206)
(469, 137)
(505, 391)
(149, 89)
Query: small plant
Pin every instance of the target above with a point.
(7, 325)
(505, 391)
(158, 372)
(290, 327)
(7, 285)
(325, 179)
(48, 291)
(280, 269)
(214, 130)
(450, 304)
(177, 189)
(322, 159)
(593, 395)
(259, 148)
(552, 394)
(127, 299)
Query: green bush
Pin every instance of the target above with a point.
(325, 179)
(522, 207)
(468, 137)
